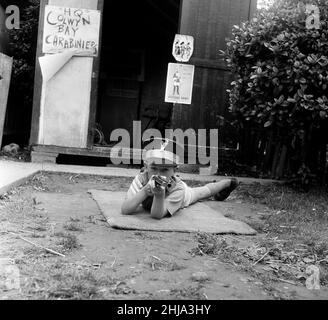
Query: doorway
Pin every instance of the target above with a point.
(136, 48)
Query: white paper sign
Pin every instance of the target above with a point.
(183, 47)
(179, 83)
(71, 28)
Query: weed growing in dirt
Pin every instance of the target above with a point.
(190, 293)
(241, 258)
(298, 220)
(18, 208)
(209, 244)
(40, 182)
(293, 208)
(156, 264)
(146, 236)
(75, 285)
(217, 246)
(38, 235)
(96, 219)
(68, 242)
(270, 259)
(32, 251)
(40, 228)
(73, 226)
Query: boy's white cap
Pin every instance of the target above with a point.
(161, 157)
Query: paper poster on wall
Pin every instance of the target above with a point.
(71, 28)
(51, 64)
(183, 47)
(179, 83)
(6, 64)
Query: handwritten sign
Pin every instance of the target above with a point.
(71, 28)
(179, 83)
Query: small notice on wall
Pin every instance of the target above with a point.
(179, 83)
(183, 47)
(71, 28)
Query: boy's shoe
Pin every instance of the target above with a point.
(225, 193)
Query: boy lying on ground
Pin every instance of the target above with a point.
(163, 193)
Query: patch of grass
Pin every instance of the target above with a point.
(73, 226)
(189, 293)
(96, 219)
(209, 244)
(40, 228)
(295, 216)
(146, 236)
(64, 280)
(280, 258)
(217, 246)
(68, 242)
(311, 206)
(158, 264)
(18, 208)
(324, 274)
(37, 236)
(73, 285)
(40, 182)
(32, 251)
(60, 234)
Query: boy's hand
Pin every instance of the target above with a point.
(148, 189)
(158, 191)
(152, 189)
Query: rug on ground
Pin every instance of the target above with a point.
(197, 218)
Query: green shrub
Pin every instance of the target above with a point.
(281, 80)
(23, 46)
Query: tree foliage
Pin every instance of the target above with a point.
(281, 70)
(22, 44)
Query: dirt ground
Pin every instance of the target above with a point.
(56, 211)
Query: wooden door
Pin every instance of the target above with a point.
(210, 22)
(120, 85)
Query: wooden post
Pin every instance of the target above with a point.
(5, 76)
(94, 84)
(61, 105)
(37, 79)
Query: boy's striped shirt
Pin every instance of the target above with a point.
(137, 184)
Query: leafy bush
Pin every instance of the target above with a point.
(22, 47)
(281, 81)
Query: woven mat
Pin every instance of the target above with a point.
(197, 218)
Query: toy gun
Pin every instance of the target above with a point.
(162, 181)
